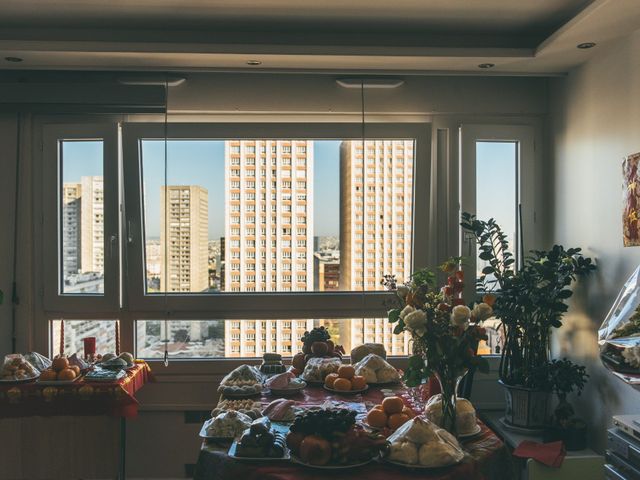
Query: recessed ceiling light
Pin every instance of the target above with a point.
(13, 59)
(486, 65)
(586, 45)
(254, 63)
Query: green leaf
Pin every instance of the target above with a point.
(488, 269)
(416, 361)
(485, 256)
(394, 315)
(397, 330)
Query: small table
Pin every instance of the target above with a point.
(487, 457)
(80, 398)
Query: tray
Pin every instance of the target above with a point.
(286, 392)
(472, 434)
(203, 434)
(232, 454)
(58, 382)
(418, 466)
(346, 392)
(15, 381)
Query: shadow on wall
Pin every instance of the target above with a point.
(604, 395)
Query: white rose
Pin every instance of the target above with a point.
(482, 311)
(460, 316)
(402, 291)
(415, 320)
(406, 311)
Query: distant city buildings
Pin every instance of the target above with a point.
(185, 240)
(326, 270)
(375, 226)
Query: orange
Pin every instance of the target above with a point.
(377, 418)
(408, 412)
(330, 379)
(346, 371)
(392, 405)
(378, 407)
(396, 420)
(60, 363)
(342, 384)
(358, 382)
(75, 368)
(48, 375)
(66, 374)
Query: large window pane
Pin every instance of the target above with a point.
(82, 217)
(497, 188)
(75, 331)
(276, 215)
(253, 338)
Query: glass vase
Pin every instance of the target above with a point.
(449, 382)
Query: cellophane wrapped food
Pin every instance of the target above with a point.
(376, 369)
(422, 443)
(619, 335)
(244, 380)
(228, 424)
(318, 368)
(15, 368)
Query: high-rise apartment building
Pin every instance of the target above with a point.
(71, 228)
(326, 270)
(268, 235)
(186, 247)
(92, 224)
(376, 208)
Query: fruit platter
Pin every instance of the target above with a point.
(60, 372)
(317, 344)
(260, 442)
(345, 381)
(331, 439)
(388, 416)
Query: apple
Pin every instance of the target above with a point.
(319, 348)
(330, 346)
(298, 361)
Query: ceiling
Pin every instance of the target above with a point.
(408, 36)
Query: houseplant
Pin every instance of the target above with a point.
(565, 377)
(530, 303)
(444, 332)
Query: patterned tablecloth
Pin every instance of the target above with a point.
(78, 398)
(486, 457)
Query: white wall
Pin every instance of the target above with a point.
(595, 122)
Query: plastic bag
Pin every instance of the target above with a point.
(243, 375)
(376, 369)
(466, 419)
(229, 424)
(40, 362)
(16, 368)
(421, 442)
(318, 368)
(619, 335)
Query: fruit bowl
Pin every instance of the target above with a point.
(346, 392)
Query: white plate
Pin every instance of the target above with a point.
(284, 392)
(58, 382)
(346, 392)
(14, 381)
(240, 396)
(312, 382)
(473, 433)
(203, 434)
(232, 454)
(294, 459)
(417, 466)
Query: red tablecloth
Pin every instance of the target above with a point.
(486, 457)
(79, 398)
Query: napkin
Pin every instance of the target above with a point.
(551, 454)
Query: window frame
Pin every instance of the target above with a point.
(524, 136)
(262, 305)
(55, 302)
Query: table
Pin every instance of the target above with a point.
(486, 458)
(80, 398)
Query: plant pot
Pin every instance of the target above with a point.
(574, 437)
(526, 408)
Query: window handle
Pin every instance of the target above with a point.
(112, 245)
(129, 232)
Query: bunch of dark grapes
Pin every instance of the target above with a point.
(318, 334)
(324, 423)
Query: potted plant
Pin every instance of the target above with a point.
(444, 332)
(530, 302)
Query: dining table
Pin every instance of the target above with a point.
(486, 456)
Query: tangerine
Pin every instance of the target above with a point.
(330, 379)
(342, 384)
(377, 418)
(408, 412)
(358, 382)
(378, 407)
(346, 371)
(392, 405)
(397, 420)
(60, 363)
(66, 374)
(75, 368)
(48, 375)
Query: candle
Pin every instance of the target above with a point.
(61, 337)
(117, 338)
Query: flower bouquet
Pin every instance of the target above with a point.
(444, 331)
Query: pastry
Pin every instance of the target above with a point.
(466, 419)
(376, 369)
(318, 368)
(229, 424)
(361, 351)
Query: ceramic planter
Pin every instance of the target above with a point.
(526, 408)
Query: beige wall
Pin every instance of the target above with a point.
(595, 122)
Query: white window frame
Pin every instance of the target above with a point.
(524, 136)
(271, 305)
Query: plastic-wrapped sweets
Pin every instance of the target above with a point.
(619, 335)
(420, 442)
(376, 370)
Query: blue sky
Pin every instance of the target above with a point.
(202, 163)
